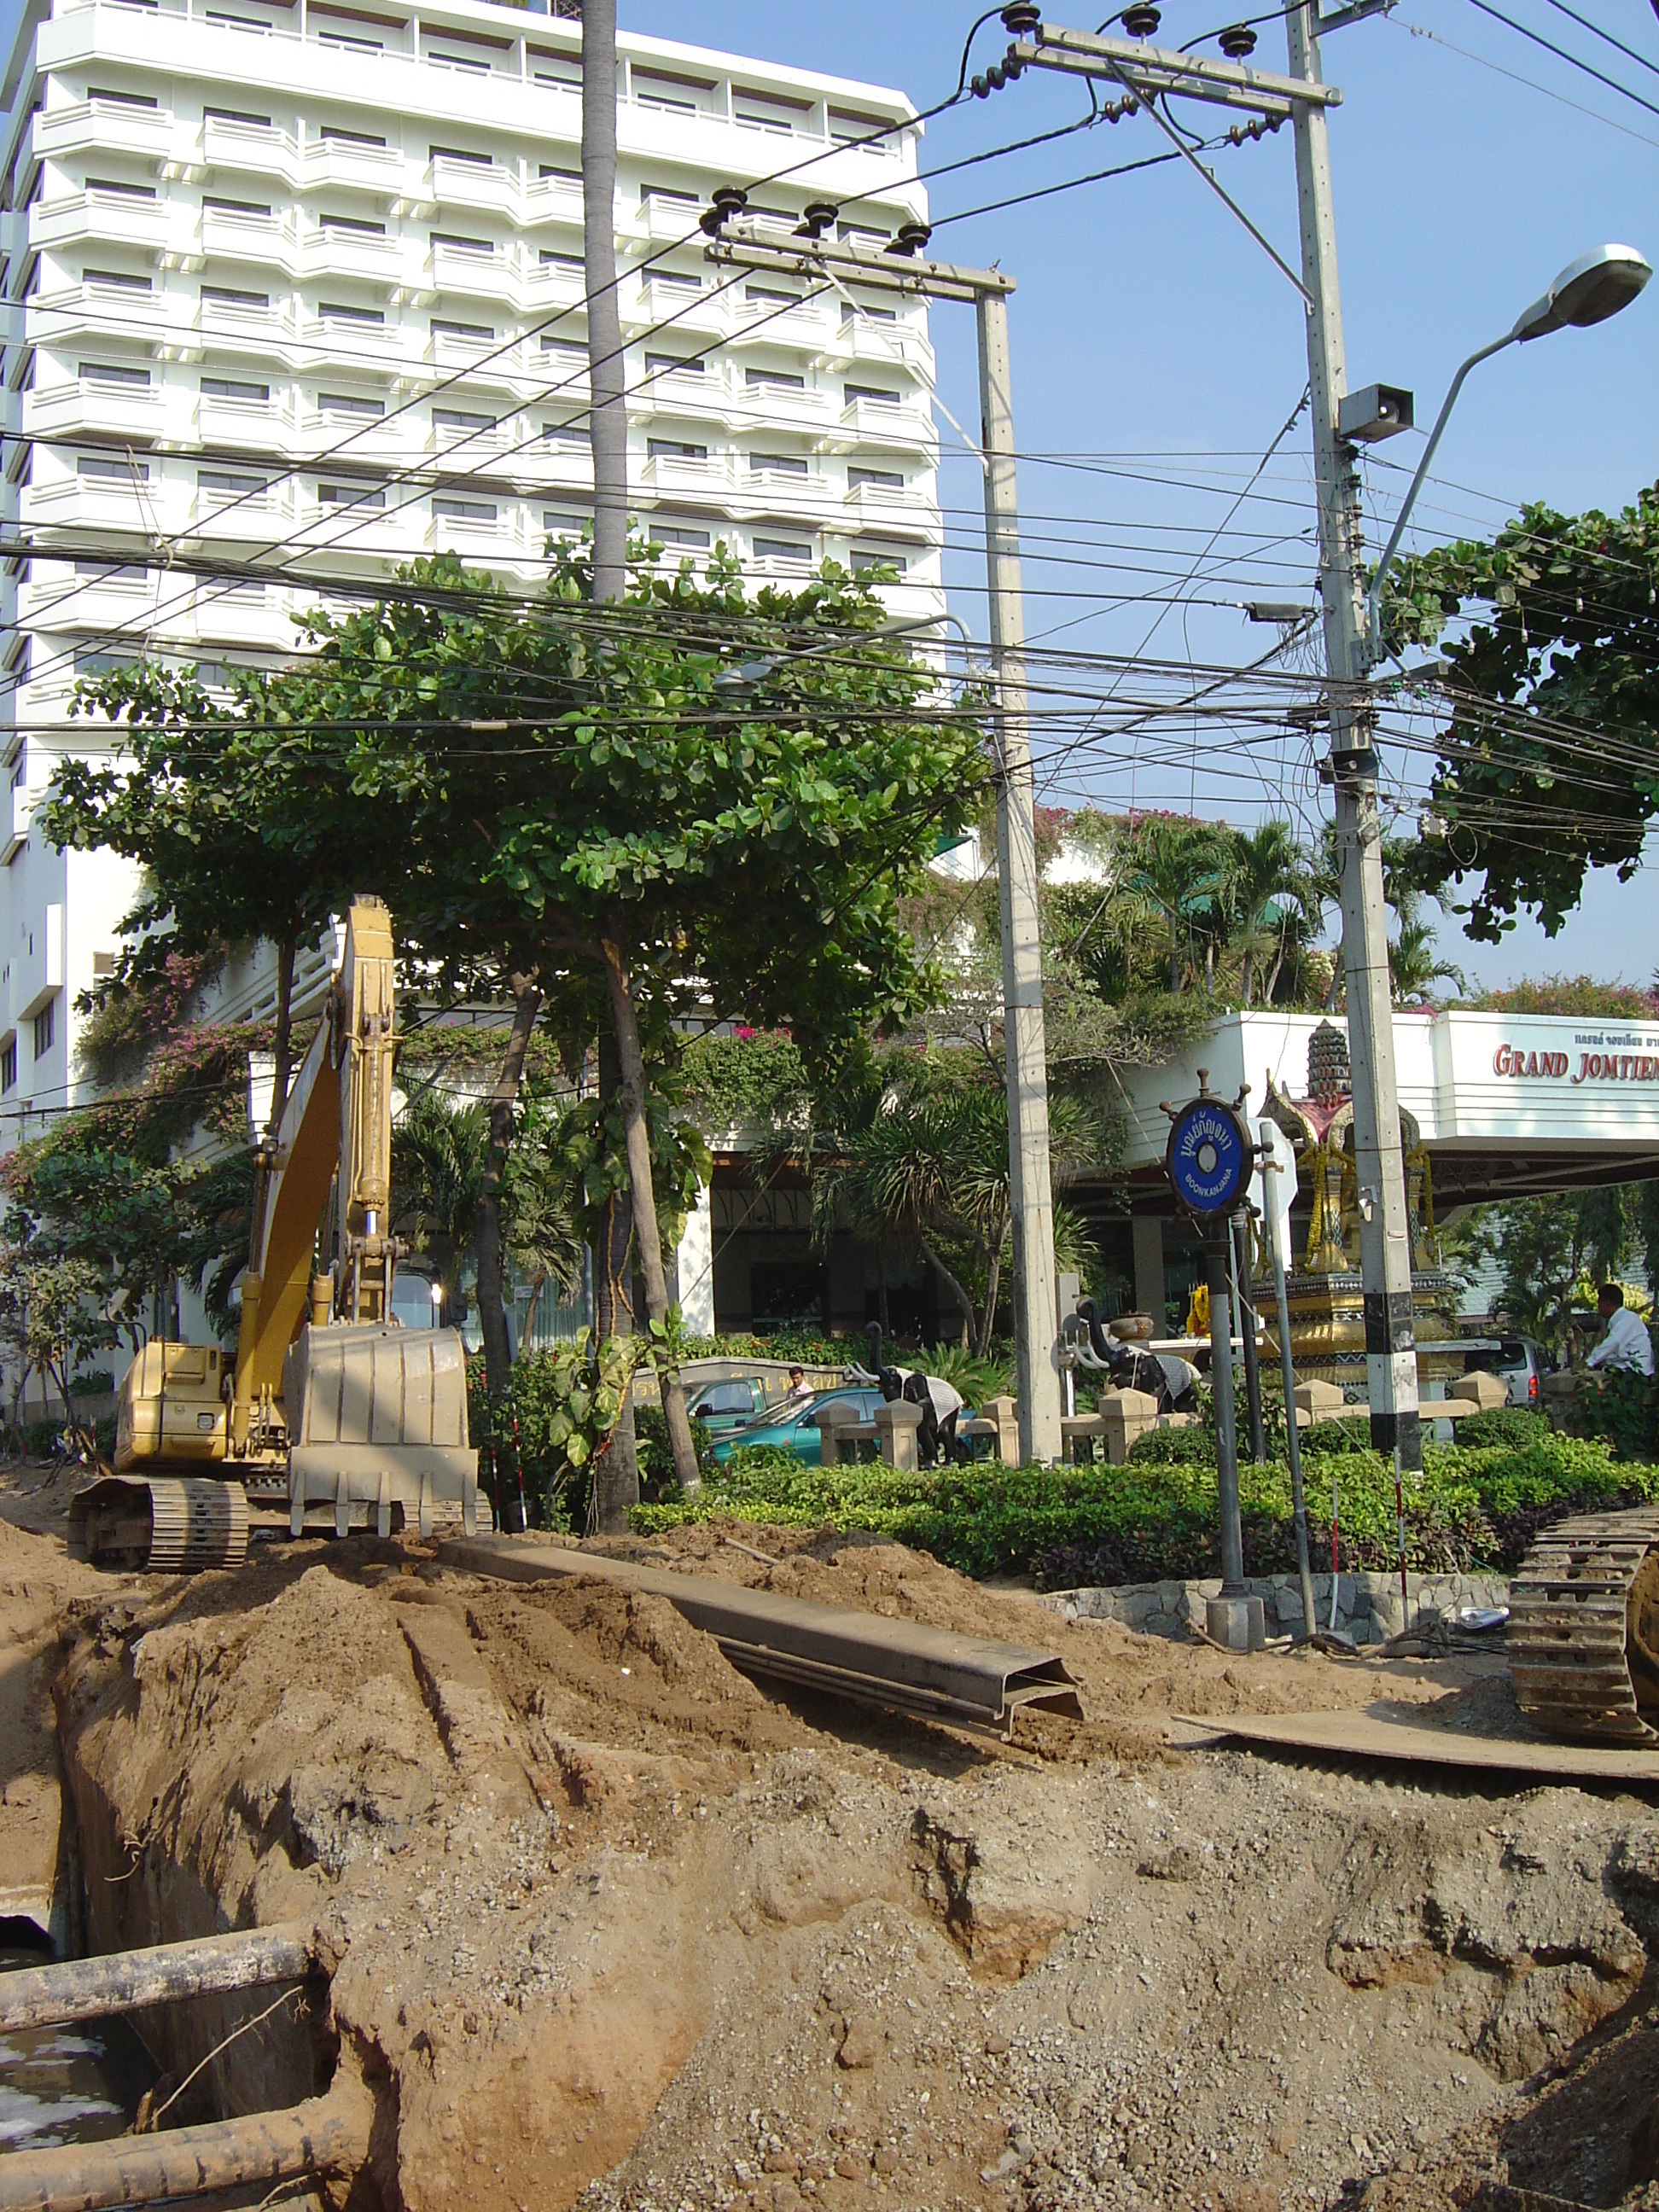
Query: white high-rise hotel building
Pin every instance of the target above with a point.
(297, 282)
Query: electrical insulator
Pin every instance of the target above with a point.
(1021, 17)
(723, 202)
(1140, 20)
(1237, 42)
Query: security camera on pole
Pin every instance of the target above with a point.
(1210, 1160)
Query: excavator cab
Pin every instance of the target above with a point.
(332, 1413)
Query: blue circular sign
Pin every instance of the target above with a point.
(1209, 1157)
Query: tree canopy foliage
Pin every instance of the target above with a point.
(1549, 757)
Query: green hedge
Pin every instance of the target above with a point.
(1148, 1521)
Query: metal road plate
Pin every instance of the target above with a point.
(865, 1656)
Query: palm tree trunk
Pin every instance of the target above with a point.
(646, 1234)
(1246, 976)
(492, 1312)
(955, 1288)
(987, 1328)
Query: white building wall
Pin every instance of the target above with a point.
(303, 284)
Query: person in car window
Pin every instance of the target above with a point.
(1626, 1347)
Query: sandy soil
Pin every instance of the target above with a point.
(616, 1925)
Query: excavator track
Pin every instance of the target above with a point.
(1584, 1629)
(167, 1524)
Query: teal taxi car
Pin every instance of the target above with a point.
(795, 1430)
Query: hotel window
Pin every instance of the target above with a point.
(464, 510)
(349, 494)
(46, 1028)
(781, 549)
(9, 1064)
(347, 403)
(674, 449)
(230, 387)
(776, 380)
(877, 394)
(860, 479)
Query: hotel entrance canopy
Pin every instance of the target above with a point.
(1507, 1105)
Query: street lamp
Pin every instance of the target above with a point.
(1587, 291)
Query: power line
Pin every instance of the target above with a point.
(1561, 54)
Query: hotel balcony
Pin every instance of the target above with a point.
(493, 362)
(233, 327)
(249, 149)
(469, 273)
(907, 428)
(84, 407)
(352, 255)
(74, 312)
(470, 447)
(680, 476)
(475, 539)
(335, 164)
(253, 519)
(551, 199)
(759, 407)
(71, 502)
(265, 241)
(109, 218)
(875, 506)
(253, 423)
(494, 190)
(103, 126)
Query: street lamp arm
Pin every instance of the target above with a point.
(1374, 598)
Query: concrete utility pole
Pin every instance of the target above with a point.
(1036, 1323)
(607, 403)
(1148, 74)
(1036, 1383)
(1385, 1250)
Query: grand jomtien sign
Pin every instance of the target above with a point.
(1598, 1056)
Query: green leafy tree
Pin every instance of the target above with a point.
(1549, 759)
(52, 1318)
(686, 851)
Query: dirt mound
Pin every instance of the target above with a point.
(590, 1656)
(615, 1922)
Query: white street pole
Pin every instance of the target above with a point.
(1385, 1253)
(1035, 1322)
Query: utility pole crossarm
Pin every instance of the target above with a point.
(1152, 72)
(738, 247)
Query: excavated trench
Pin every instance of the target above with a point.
(607, 1921)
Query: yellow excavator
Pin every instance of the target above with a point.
(332, 1415)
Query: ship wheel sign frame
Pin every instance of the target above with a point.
(1210, 1158)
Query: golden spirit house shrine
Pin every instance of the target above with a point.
(1491, 1106)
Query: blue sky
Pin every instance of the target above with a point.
(1156, 347)
(1148, 326)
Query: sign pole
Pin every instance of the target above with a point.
(1209, 1160)
(1277, 1188)
(1215, 1237)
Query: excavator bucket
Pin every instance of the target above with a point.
(379, 1431)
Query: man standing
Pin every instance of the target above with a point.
(1626, 1347)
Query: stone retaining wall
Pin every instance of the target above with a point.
(1367, 1605)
